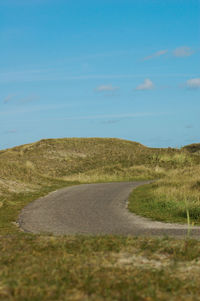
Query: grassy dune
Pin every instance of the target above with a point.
(34, 267)
(34, 169)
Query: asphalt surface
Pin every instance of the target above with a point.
(93, 209)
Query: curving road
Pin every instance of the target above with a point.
(93, 209)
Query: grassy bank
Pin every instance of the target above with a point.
(169, 199)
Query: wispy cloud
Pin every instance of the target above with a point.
(189, 126)
(8, 98)
(106, 88)
(193, 83)
(111, 121)
(28, 98)
(25, 2)
(156, 54)
(10, 132)
(36, 108)
(146, 85)
(113, 116)
(49, 75)
(24, 75)
(183, 51)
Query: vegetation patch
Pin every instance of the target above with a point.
(169, 198)
(98, 268)
(143, 202)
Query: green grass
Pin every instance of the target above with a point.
(143, 201)
(44, 267)
(170, 199)
(98, 268)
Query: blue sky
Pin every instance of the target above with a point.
(101, 68)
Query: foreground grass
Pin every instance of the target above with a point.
(98, 268)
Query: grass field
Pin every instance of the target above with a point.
(99, 268)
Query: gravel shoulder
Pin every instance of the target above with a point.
(93, 209)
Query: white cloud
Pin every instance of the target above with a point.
(147, 85)
(156, 54)
(183, 51)
(193, 83)
(106, 88)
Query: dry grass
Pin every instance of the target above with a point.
(98, 268)
(181, 183)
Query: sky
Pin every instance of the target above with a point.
(127, 69)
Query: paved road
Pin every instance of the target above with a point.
(93, 209)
